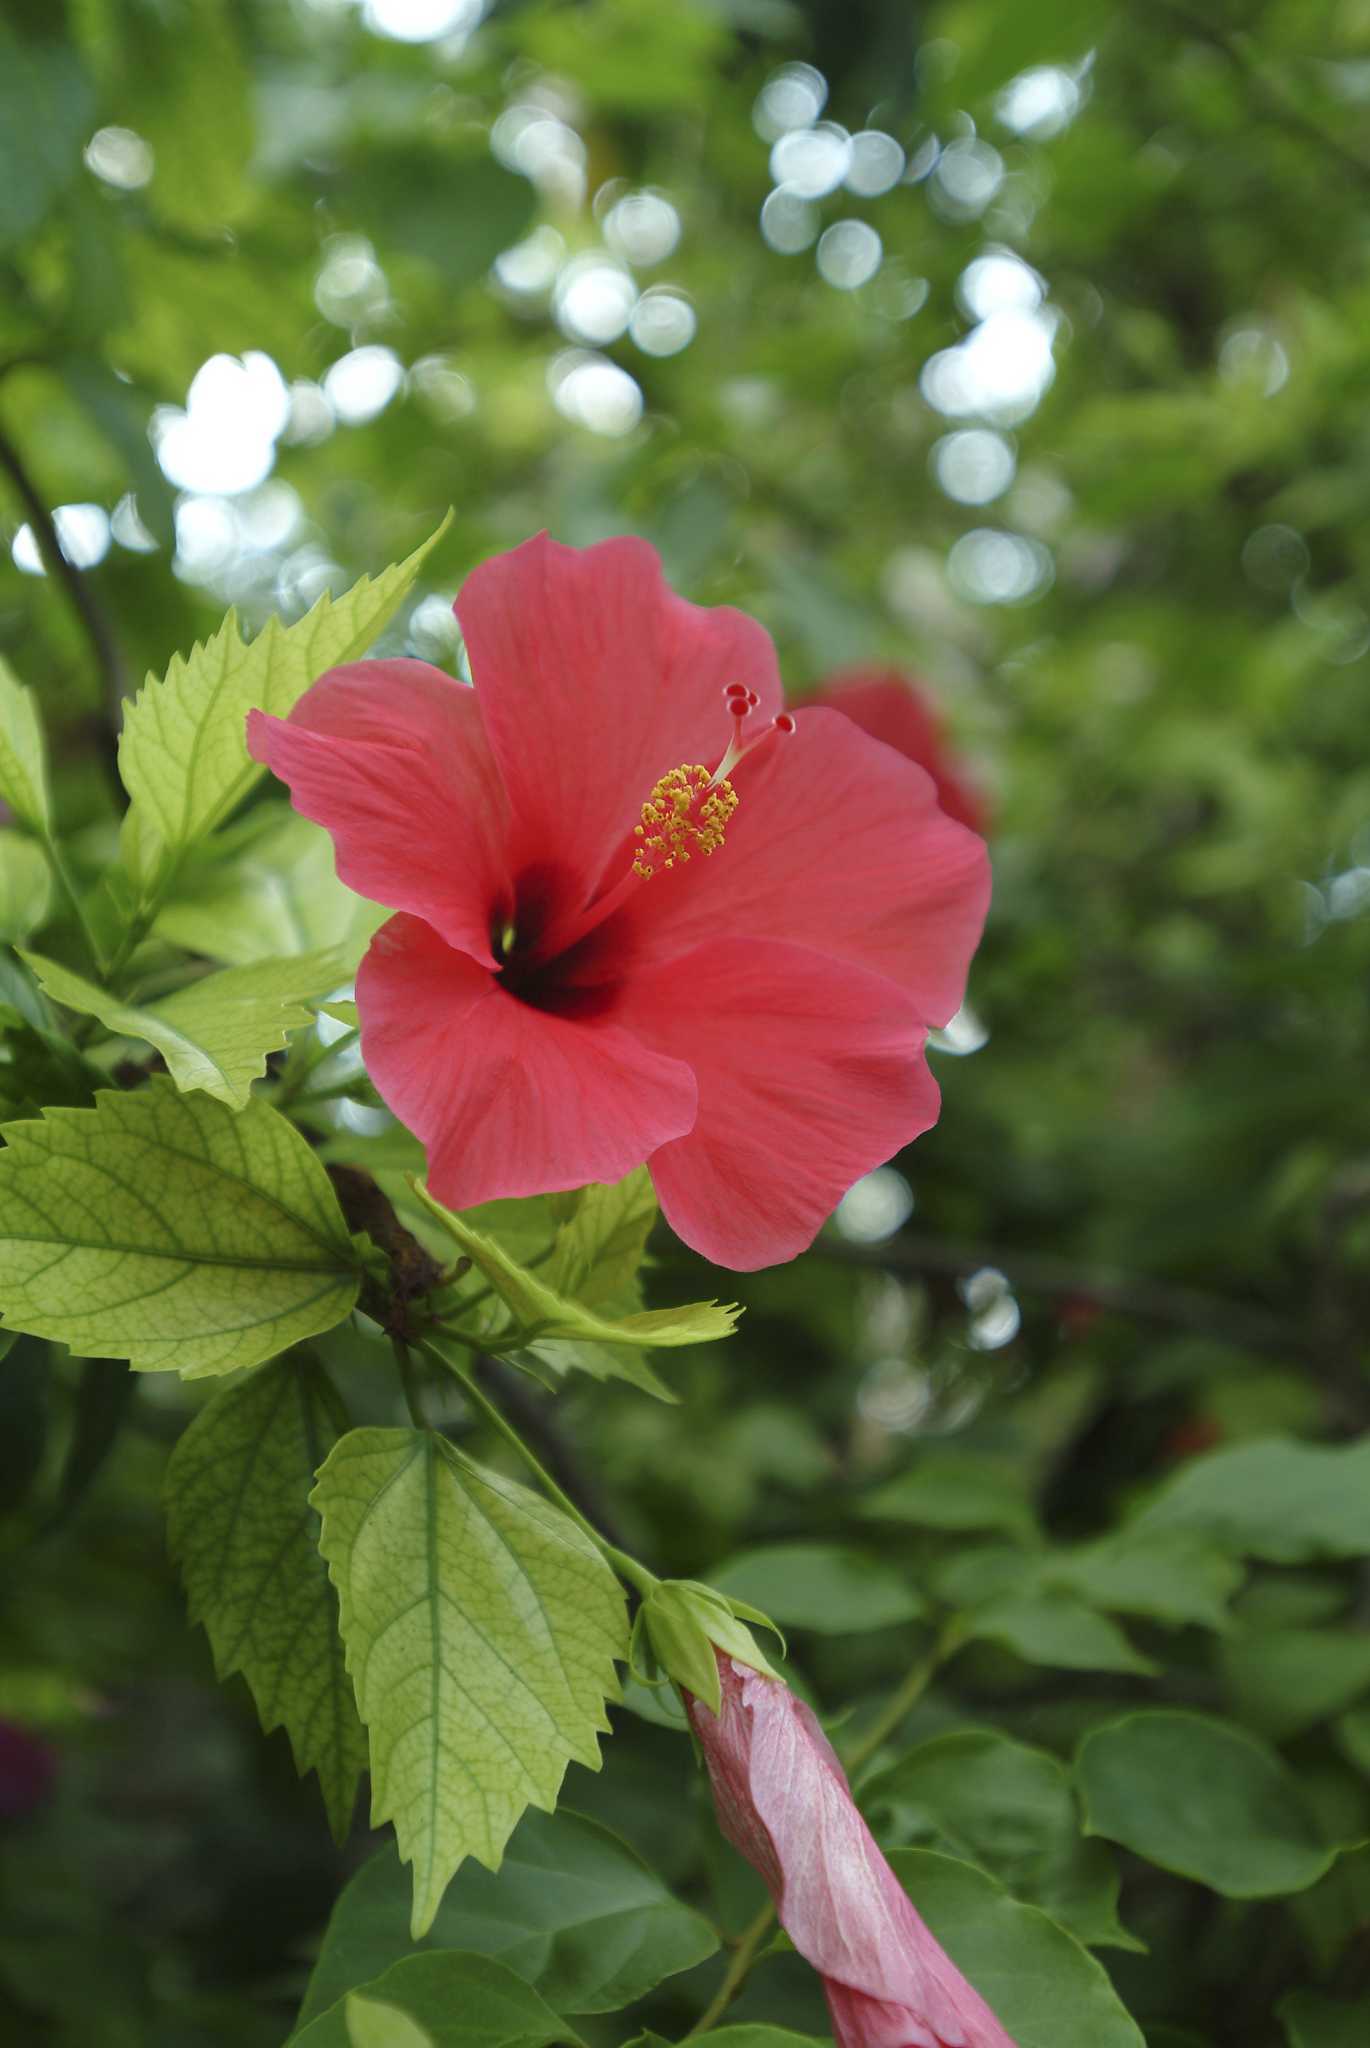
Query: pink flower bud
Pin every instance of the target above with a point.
(783, 1801)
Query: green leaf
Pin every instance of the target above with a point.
(246, 1538)
(542, 1312)
(1056, 1630)
(183, 751)
(1047, 1990)
(370, 2025)
(1203, 1798)
(1312, 2021)
(955, 1490)
(1284, 1680)
(1276, 1498)
(163, 1229)
(597, 1251)
(831, 1588)
(278, 895)
(459, 2001)
(25, 884)
(216, 1033)
(45, 117)
(1011, 1810)
(1173, 1576)
(574, 1912)
(481, 1629)
(23, 750)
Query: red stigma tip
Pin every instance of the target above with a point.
(738, 706)
(784, 723)
(753, 699)
(737, 690)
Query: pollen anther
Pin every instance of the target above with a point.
(686, 813)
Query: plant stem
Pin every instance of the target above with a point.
(637, 1575)
(409, 1380)
(902, 1700)
(67, 884)
(738, 1969)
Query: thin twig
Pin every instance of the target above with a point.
(91, 615)
(1106, 1287)
(744, 1955)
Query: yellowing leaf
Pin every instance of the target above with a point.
(163, 1229)
(215, 1034)
(241, 1527)
(541, 1312)
(481, 1629)
(183, 752)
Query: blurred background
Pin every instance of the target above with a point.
(1024, 351)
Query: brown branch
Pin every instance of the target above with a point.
(84, 603)
(1106, 1287)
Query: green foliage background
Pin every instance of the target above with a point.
(1092, 1418)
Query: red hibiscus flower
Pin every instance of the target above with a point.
(644, 914)
(891, 707)
(783, 1802)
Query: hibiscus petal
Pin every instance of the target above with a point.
(507, 1099)
(837, 843)
(595, 679)
(810, 1073)
(891, 707)
(391, 757)
(783, 1800)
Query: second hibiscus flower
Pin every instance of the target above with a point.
(643, 913)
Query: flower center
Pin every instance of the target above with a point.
(688, 810)
(686, 813)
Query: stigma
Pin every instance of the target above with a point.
(688, 810)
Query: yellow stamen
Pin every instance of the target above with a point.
(686, 813)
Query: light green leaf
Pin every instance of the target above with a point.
(23, 754)
(481, 1629)
(542, 1312)
(1010, 1809)
(829, 1587)
(597, 1251)
(458, 2001)
(1056, 1630)
(573, 1911)
(1048, 1991)
(370, 2025)
(1312, 2021)
(1204, 1798)
(956, 1490)
(183, 752)
(162, 1228)
(1276, 1498)
(25, 884)
(246, 1538)
(1284, 1680)
(277, 895)
(214, 1034)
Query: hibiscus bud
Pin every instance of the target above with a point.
(783, 1802)
(686, 1625)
